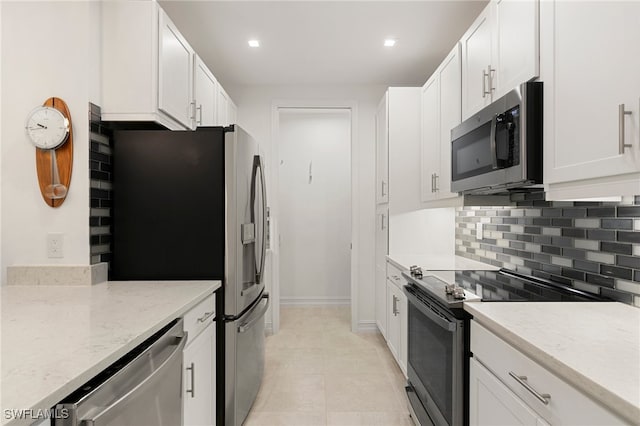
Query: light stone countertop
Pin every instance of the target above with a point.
(593, 346)
(55, 338)
(438, 262)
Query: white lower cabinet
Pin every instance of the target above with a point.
(492, 403)
(396, 317)
(199, 366)
(509, 388)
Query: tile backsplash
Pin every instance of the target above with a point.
(101, 186)
(594, 246)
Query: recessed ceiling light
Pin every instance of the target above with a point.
(254, 43)
(389, 42)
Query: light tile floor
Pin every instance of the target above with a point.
(320, 373)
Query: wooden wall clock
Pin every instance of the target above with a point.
(49, 129)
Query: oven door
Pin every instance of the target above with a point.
(435, 361)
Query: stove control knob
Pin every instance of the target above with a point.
(449, 288)
(458, 293)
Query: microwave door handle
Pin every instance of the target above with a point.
(492, 137)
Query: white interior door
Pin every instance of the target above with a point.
(315, 205)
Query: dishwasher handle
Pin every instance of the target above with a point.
(103, 416)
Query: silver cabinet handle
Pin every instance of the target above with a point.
(487, 75)
(542, 397)
(192, 110)
(433, 186)
(435, 180)
(206, 316)
(484, 84)
(192, 391)
(382, 222)
(621, 114)
(395, 309)
(382, 189)
(199, 121)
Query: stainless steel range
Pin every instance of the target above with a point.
(438, 327)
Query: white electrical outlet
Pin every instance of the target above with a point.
(55, 246)
(479, 231)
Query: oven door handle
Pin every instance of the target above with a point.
(429, 313)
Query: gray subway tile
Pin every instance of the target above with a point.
(600, 280)
(619, 296)
(617, 223)
(586, 266)
(573, 232)
(629, 237)
(628, 211)
(628, 261)
(602, 235)
(616, 272)
(601, 211)
(616, 248)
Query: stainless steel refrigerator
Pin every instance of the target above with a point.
(191, 205)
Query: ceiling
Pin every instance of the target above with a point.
(322, 42)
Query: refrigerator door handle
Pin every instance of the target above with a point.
(257, 164)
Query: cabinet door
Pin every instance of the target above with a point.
(393, 320)
(223, 107)
(491, 403)
(232, 114)
(382, 151)
(590, 66)
(175, 73)
(205, 94)
(430, 137)
(199, 380)
(450, 115)
(476, 59)
(381, 251)
(516, 52)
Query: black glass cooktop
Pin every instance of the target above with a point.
(501, 285)
(507, 286)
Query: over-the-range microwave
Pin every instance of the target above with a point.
(500, 147)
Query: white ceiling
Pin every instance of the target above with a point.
(322, 42)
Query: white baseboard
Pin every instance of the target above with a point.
(315, 301)
(367, 326)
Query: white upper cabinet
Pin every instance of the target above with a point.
(222, 118)
(591, 72)
(175, 74)
(403, 126)
(516, 44)
(232, 113)
(140, 35)
(441, 112)
(476, 63)
(499, 51)
(430, 137)
(205, 91)
(382, 151)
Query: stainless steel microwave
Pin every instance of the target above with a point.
(500, 147)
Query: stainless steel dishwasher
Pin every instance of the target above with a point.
(143, 388)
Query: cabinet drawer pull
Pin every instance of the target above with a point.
(192, 391)
(199, 109)
(542, 397)
(395, 309)
(383, 188)
(205, 317)
(621, 114)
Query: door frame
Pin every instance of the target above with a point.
(276, 106)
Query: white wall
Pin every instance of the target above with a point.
(315, 205)
(48, 49)
(428, 232)
(255, 114)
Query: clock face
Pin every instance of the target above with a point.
(47, 127)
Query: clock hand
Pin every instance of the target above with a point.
(40, 125)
